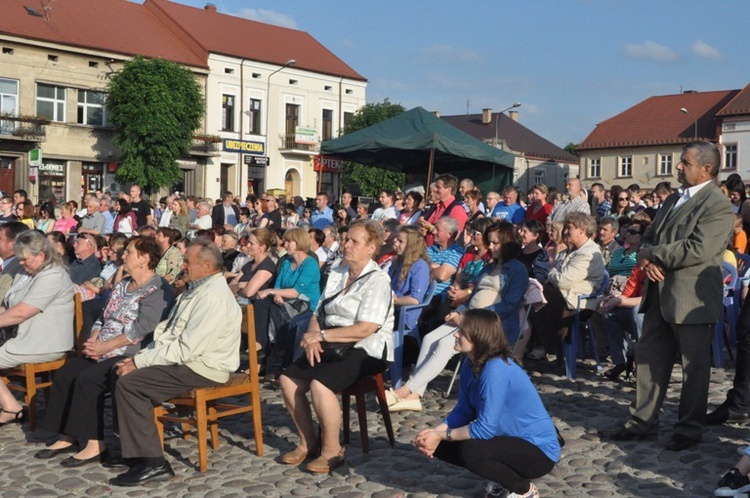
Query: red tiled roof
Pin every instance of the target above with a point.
(238, 37)
(117, 26)
(516, 136)
(739, 105)
(658, 121)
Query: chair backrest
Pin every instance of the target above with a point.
(729, 277)
(78, 322)
(605, 282)
(743, 263)
(248, 327)
(428, 295)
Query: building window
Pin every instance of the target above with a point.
(730, 156)
(254, 115)
(292, 120)
(8, 96)
(626, 166)
(595, 168)
(227, 112)
(50, 102)
(327, 124)
(348, 116)
(539, 177)
(91, 109)
(665, 164)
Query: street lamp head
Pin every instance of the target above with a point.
(290, 62)
(683, 110)
(517, 104)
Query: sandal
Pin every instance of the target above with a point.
(20, 416)
(296, 456)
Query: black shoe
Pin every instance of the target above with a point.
(680, 442)
(614, 372)
(622, 434)
(142, 473)
(732, 484)
(112, 461)
(724, 414)
(47, 453)
(72, 462)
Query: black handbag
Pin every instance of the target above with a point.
(7, 333)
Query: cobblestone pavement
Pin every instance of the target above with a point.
(588, 467)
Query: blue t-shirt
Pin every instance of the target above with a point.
(451, 256)
(305, 279)
(414, 285)
(503, 401)
(322, 220)
(513, 213)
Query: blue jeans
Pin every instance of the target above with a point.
(622, 325)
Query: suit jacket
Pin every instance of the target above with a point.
(7, 275)
(217, 214)
(688, 243)
(581, 272)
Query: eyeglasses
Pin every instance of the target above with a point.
(476, 233)
(83, 237)
(635, 232)
(623, 199)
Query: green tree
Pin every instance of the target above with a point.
(155, 106)
(572, 148)
(371, 179)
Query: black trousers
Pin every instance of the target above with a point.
(76, 403)
(509, 461)
(738, 397)
(552, 322)
(136, 395)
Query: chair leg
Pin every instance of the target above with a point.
(158, 412)
(257, 422)
(30, 397)
(213, 424)
(453, 379)
(201, 420)
(362, 415)
(384, 411)
(345, 408)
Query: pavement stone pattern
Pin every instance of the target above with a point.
(588, 467)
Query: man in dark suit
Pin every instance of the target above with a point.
(11, 264)
(681, 255)
(225, 213)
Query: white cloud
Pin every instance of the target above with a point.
(447, 53)
(267, 16)
(652, 51)
(705, 51)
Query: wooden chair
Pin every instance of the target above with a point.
(207, 410)
(23, 378)
(363, 386)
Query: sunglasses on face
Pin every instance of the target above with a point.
(634, 232)
(623, 199)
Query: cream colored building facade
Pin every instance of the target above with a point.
(67, 84)
(271, 120)
(624, 166)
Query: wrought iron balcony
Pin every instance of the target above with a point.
(30, 129)
(205, 146)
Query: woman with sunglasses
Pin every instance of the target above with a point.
(623, 258)
(499, 429)
(621, 206)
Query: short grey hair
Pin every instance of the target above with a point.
(208, 251)
(584, 221)
(450, 224)
(610, 220)
(706, 153)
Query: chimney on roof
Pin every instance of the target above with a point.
(513, 115)
(486, 116)
(436, 113)
(690, 91)
(210, 7)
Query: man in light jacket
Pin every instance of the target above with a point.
(196, 346)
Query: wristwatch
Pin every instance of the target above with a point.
(323, 334)
(448, 434)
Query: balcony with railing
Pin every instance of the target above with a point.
(289, 144)
(206, 146)
(25, 128)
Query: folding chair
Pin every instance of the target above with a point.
(397, 367)
(730, 301)
(571, 350)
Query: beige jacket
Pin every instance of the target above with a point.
(581, 273)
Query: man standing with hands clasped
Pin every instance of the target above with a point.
(681, 255)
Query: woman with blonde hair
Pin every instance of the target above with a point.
(179, 220)
(410, 273)
(66, 223)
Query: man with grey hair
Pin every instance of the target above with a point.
(198, 345)
(105, 205)
(681, 256)
(492, 199)
(94, 222)
(445, 253)
(203, 220)
(608, 228)
(166, 216)
(576, 204)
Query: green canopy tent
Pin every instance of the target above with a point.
(417, 141)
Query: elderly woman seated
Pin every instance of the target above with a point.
(40, 305)
(579, 273)
(76, 405)
(355, 317)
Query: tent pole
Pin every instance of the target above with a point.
(429, 170)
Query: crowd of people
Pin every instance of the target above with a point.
(162, 285)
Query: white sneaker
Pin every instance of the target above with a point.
(403, 405)
(536, 354)
(531, 493)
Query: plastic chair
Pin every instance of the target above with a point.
(206, 402)
(571, 350)
(728, 313)
(397, 367)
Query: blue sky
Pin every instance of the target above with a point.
(572, 63)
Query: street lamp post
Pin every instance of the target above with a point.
(288, 63)
(497, 117)
(695, 124)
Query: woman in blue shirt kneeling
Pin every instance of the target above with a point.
(499, 428)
